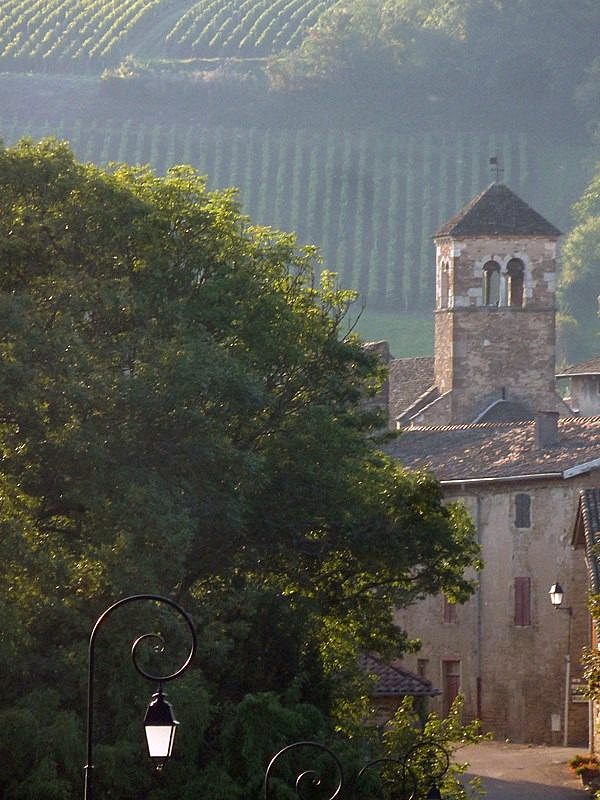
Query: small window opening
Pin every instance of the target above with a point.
(445, 286)
(514, 273)
(450, 614)
(522, 510)
(491, 283)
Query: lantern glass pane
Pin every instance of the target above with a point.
(160, 740)
(556, 594)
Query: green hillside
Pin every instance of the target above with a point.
(87, 34)
(371, 200)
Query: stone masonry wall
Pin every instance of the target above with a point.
(502, 352)
(481, 351)
(512, 676)
(466, 259)
(443, 350)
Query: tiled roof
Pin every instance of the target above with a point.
(590, 514)
(409, 378)
(497, 449)
(585, 368)
(396, 681)
(498, 211)
(505, 411)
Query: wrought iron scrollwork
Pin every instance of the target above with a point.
(309, 777)
(399, 778)
(160, 679)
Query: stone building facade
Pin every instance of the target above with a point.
(505, 649)
(582, 384)
(485, 416)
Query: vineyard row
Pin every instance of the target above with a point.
(38, 33)
(370, 200)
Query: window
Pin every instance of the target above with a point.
(522, 511)
(445, 286)
(514, 276)
(422, 664)
(522, 601)
(491, 283)
(450, 614)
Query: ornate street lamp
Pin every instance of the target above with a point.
(397, 776)
(159, 724)
(556, 594)
(556, 598)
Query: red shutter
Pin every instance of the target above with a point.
(522, 601)
(451, 684)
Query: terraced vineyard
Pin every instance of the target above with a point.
(88, 34)
(370, 200)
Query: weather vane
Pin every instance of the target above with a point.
(497, 170)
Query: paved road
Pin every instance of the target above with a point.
(524, 772)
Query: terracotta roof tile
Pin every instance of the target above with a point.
(496, 449)
(505, 411)
(498, 211)
(409, 378)
(590, 513)
(396, 681)
(584, 368)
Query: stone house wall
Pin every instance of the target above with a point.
(585, 394)
(513, 676)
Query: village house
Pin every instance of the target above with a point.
(484, 415)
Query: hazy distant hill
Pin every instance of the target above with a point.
(87, 34)
(370, 199)
(361, 136)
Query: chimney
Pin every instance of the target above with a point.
(546, 429)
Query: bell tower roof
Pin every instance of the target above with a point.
(497, 211)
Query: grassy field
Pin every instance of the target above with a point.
(407, 335)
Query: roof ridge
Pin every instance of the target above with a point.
(464, 426)
(519, 423)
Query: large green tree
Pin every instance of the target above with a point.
(181, 413)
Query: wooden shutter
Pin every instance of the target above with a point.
(451, 687)
(523, 510)
(523, 601)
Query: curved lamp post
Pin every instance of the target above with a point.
(399, 780)
(159, 723)
(556, 597)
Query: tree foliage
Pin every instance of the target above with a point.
(181, 413)
(496, 62)
(579, 287)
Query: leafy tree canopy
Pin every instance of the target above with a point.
(579, 287)
(495, 59)
(181, 413)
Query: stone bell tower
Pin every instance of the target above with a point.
(495, 309)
